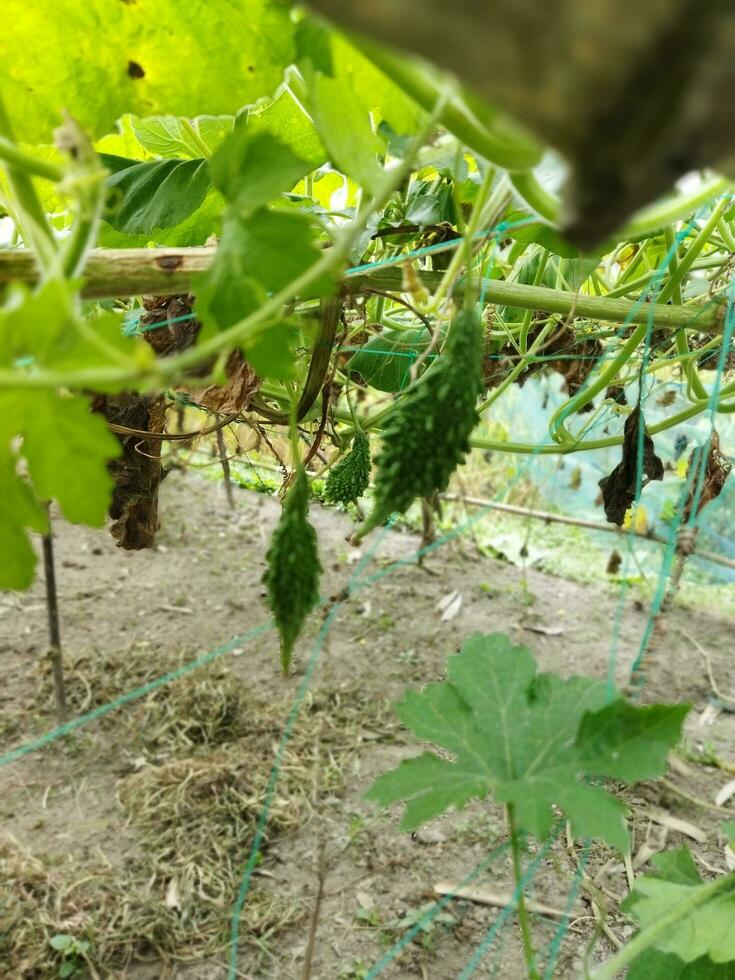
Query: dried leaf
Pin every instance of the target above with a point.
(680, 826)
(172, 896)
(137, 472)
(726, 793)
(619, 488)
(450, 606)
(234, 396)
(716, 473)
(483, 896)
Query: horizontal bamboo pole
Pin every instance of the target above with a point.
(166, 272)
(549, 518)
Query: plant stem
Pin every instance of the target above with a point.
(680, 269)
(694, 384)
(224, 461)
(54, 628)
(196, 139)
(643, 223)
(32, 165)
(31, 219)
(515, 843)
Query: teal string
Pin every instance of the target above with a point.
(270, 790)
(563, 927)
(138, 692)
(509, 909)
(395, 951)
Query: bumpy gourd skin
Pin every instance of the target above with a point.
(293, 568)
(427, 435)
(349, 479)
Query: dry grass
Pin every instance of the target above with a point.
(195, 756)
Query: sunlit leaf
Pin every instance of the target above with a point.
(101, 59)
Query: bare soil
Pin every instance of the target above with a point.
(337, 884)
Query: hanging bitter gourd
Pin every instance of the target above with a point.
(293, 567)
(427, 435)
(349, 479)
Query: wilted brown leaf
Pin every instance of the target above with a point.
(716, 473)
(619, 488)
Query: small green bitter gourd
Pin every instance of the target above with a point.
(349, 479)
(293, 568)
(427, 435)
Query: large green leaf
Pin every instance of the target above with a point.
(286, 119)
(43, 329)
(103, 58)
(258, 255)
(320, 49)
(251, 170)
(194, 230)
(65, 446)
(344, 126)
(532, 739)
(159, 194)
(19, 512)
(385, 362)
(654, 965)
(169, 136)
(67, 449)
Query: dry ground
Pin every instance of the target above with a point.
(132, 832)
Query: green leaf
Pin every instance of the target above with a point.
(271, 353)
(729, 830)
(194, 230)
(385, 362)
(102, 59)
(654, 965)
(677, 866)
(525, 737)
(168, 136)
(344, 127)
(252, 170)
(287, 120)
(43, 329)
(159, 194)
(704, 927)
(67, 449)
(61, 941)
(18, 513)
(629, 743)
(257, 255)
(322, 50)
(703, 931)
(68, 968)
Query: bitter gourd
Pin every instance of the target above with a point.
(427, 435)
(349, 479)
(293, 568)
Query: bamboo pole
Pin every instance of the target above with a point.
(166, 272)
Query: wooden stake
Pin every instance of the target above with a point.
(222, 450)
(54, 629)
